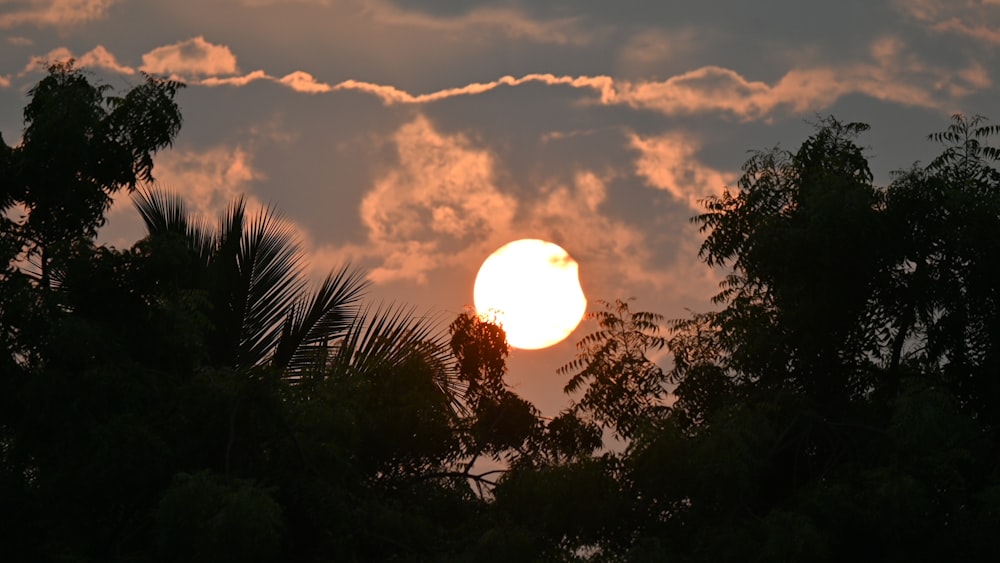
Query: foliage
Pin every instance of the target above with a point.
(624, 387)
(191, 399)
(80, 146)
(250, 268)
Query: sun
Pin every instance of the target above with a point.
(532, 288)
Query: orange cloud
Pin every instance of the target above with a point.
(510, 22)
(975, 19)
(441, 207)
(392, 95)
(612, 253)
(669, 162)
(304, 82)
(615, 256)
(194, 56)
(40, 62)
(713, 89)
(242, 80)
(208, 179)
(98, 57)
(647, 52)
(441, 196)
(55, 13)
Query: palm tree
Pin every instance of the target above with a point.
(250, 269)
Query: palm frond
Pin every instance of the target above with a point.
(389, 336)
(164, 212)
(317, 319)
(161, 211)
(269, 270)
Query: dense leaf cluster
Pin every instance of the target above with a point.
(194, 398)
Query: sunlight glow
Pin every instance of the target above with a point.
(532, 289)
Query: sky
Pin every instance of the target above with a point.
(412, 138)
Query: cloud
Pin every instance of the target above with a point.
(441, 198)
(647, 52)
(612, 253)
(510, 22)
(54, 13)
(298, 81)
(254, 3)
(988, 34)
(4, 81)
(669, 162)
(19, 41)
(242, 80)
(441, 206)
(304, 82)
(194, 56)
(891, 75)
(208, 179)
(974, 19)
(40, 62)
(98, 57)
(185, 61)
(392, 95)
(802, 90)
(617, 257)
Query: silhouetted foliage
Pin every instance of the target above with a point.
(624, 389)
(190, 399)
(79, 147)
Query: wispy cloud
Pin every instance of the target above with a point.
(510, 22)
(442, 206)
(392, 95)
(208, 179)
(892, 74)
(98, 57)
(53, 13)
(613, 254)
(304, 82)
(298, 81)
(193, 57)
(241, 80)
(670, 162)
(194, 61)
(648, 51)
(888, 76)
(441, 197)
(975, 19)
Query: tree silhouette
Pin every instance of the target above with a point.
(840, 395)
(80, 146)
(191, 399)
(251, 272)
(623, 388)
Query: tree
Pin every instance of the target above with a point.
(250, 269)
(944, 218)
(784, 238)
(850, 371)
(80, 146)
(623, 388)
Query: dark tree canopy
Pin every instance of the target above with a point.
(195, 398)
(81, 144)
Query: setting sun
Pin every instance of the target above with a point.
(532, 288)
